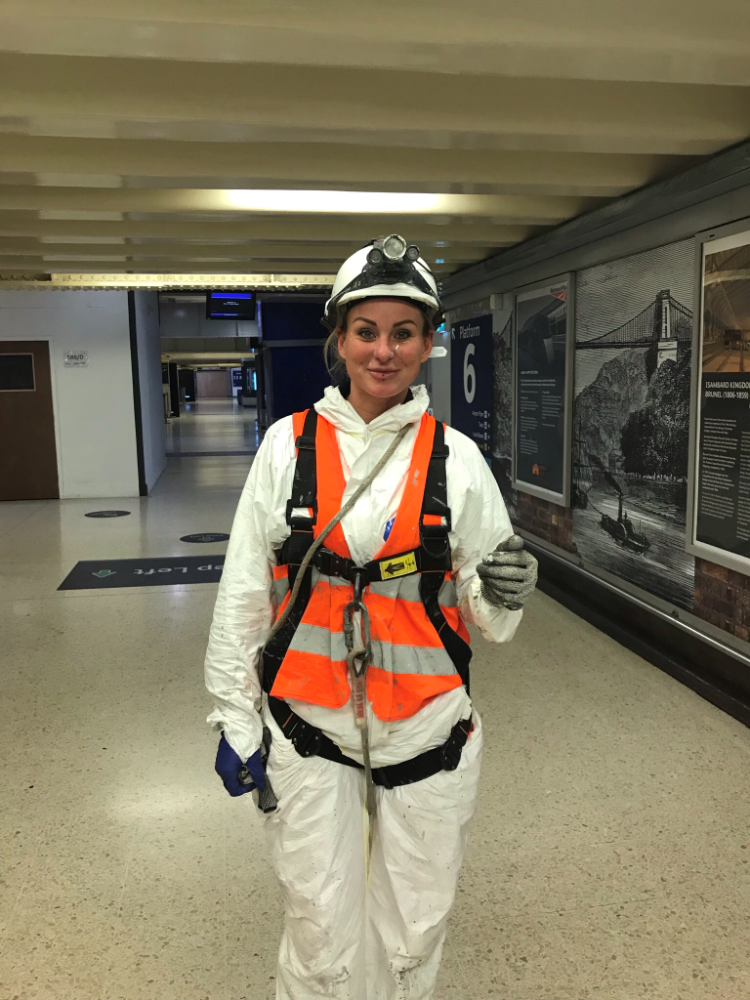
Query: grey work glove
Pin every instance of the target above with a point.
(508, 575)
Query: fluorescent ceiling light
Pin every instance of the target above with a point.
(360, 202)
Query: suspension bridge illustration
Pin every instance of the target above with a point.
(665, 324)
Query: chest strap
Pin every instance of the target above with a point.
(390, 568)
(309, 741)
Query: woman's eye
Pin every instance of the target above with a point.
(365, 333)
(403, 335)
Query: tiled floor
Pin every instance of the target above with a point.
(212, 426)
(610, 857)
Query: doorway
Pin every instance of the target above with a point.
(28, 453)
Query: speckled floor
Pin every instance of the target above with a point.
(212, 426)
(610, 858)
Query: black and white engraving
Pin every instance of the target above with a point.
(631, 419)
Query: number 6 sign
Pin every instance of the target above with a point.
(470, 375)
(471, 380)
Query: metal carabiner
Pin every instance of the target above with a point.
(358, 656)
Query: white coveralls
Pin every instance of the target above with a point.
(340, 940)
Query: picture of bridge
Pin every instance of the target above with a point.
(634, 335)
(665, 325)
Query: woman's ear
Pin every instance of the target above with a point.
(340, 341)
(429, 340)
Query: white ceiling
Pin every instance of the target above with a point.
(129, 130)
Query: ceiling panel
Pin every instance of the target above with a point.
(136, 135)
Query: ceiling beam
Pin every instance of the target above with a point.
(355, 230)
(26, 264)
(350, 166)
(105, 92)
(179, 281)
(672, 41)
(330, 252)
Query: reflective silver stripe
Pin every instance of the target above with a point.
(448, 597)
(279, 589)
(423, 660)
(391, 657)
(405, 588)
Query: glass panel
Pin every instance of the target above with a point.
(16, 372)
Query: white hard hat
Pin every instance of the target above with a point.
(385, 268)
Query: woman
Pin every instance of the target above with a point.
(425, 547)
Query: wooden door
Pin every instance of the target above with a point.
(28, 456)
(214, 384)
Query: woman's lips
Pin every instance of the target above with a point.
(383, 374)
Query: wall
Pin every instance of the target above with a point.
(146, 319)
(94, 412)
(188, 319)
(292, 339)
(633, 403)
(722, 597)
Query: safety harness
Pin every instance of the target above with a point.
(431, 559)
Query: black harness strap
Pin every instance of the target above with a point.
(309, 741)
(436, 555)
(304, 496)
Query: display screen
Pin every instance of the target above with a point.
(230, 305)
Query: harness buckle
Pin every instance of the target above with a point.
(438, 550)
(306, 738)
(360, 577)
(437, 530)
(301, 522)
(450, 753)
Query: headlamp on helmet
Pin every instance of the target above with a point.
(387, 266)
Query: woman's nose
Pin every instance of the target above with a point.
(383, 349)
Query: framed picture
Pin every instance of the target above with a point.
(720, 441)
(543, 381)
(631, 419)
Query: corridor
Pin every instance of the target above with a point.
(212, 427)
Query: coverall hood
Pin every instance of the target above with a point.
(340, 412)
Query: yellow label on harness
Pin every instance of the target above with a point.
(398, 566)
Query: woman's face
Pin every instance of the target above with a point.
(384, 346)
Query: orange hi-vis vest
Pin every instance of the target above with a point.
(420, 645)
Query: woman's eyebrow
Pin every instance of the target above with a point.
(364, 319)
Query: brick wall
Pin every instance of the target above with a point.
(722, 597)
(545, 520)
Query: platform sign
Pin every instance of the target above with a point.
(471, 381)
